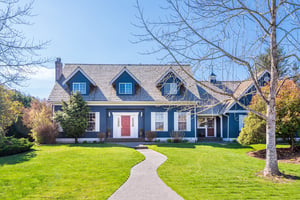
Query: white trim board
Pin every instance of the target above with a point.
(134, 103)
(133, 126)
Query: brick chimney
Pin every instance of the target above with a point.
(58, 69)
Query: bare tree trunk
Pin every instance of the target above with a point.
(271, 167)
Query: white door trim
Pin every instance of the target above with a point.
(134, 117)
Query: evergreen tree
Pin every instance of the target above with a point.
(73, 116)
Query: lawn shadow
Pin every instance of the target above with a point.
(95, 145)
(225, 145)
(17, 158)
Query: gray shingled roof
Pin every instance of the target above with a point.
(102, 75)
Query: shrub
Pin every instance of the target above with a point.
(254, 131)
(101, 136)
(10, 146)
(177, 136)
(45, 133)
(150, 135)
(169, 140)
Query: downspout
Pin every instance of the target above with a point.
(221, 126)
(195, 125)
(227, 126)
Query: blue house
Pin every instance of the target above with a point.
(125, 101)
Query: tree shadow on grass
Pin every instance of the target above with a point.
(17, 158)
(96, 145)
(224, 145)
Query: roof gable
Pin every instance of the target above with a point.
(164, 76)
(125, 70)
(75, 72)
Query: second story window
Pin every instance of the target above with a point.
(80, 87)
(170, 88)
(125, 88)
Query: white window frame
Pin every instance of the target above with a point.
(127, 90)
(206, 125)
(97, 122)
(188, 121)
(172, 88)
(241, 121)
(164, 121)
(81, 85)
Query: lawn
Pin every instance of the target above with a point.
(218, 171)
(84, 171)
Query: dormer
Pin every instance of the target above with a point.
(125, 83)
(79, 81)
(170, 84)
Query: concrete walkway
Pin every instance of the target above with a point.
(144, 183)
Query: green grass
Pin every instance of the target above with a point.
(218, 171)
(84, 171)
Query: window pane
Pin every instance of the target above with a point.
(91, 122)
(159, 117)
(201, 122)
(210, 122)
(181, 126)
(125, 88)
(182, 117)
(170, 88)
(80, 87)
(159, 126)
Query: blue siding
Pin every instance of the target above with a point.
(106, 121)
(225, 125)
(79, 77)
(125, 78)
(234, 124)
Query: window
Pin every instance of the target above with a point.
(159, 121)
(125, 88)
(201, 122)
(93, 121)
(182, 121)
(80, 87)
(241, 121)
(170, 88)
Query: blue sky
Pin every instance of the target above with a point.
(94, 31)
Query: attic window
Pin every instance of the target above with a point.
(170, 88)
(80, 87)
(125, 88)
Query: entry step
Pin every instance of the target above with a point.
(141, 146)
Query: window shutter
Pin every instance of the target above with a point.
(152, 121)
(188, 121)
(165, 121)
(97, 125)
(175, 121)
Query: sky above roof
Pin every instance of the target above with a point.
(94, 32)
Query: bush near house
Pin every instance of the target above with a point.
(177, 136)
(39, 118)
(287, 113)
(10, 146)
(150, 135)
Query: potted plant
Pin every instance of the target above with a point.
(141, 132)
(101, 136)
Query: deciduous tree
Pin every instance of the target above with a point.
(203, 32)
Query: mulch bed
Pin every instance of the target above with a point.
(283, 155)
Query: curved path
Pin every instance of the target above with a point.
(144, 183)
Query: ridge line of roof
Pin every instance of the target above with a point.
(127, 64)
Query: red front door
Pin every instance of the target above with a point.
(125, 125)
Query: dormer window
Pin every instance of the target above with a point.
(125, 88)
(80, 87)
(170, 88)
